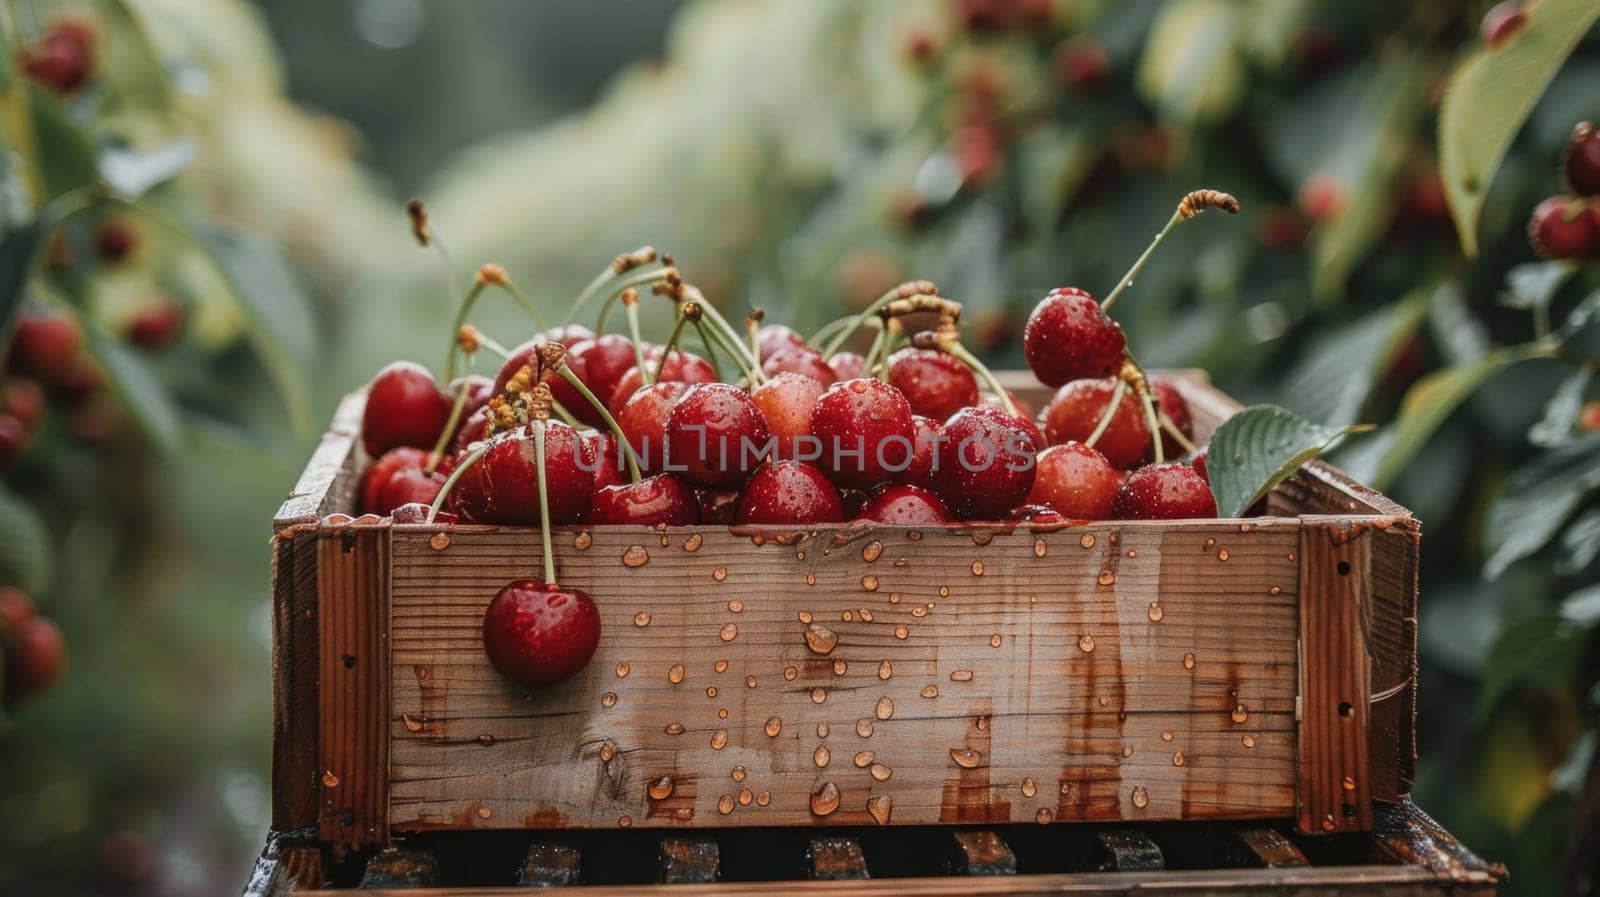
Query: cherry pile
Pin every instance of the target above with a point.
(767, 428)
(33, 655)
(1567, 225)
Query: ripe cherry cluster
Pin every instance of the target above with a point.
(1567, 225)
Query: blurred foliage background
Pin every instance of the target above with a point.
(800, 155)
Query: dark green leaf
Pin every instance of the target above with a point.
(139, 389)
(1583, 607)
(1537, 650)
(132, 173)
(1259, 448)
(65, 152)
(26, 556)
(1580, 332)
(1561, 411)
(1429, 402)
(1580, 543)
(1192, 68)
(1461, 336)
(1538, 497)
(19, 249)
(1337, 370)
(1490, 96)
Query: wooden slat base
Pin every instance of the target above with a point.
(393, 869)
(1128, 850)
(834, 858)
(551, 864)
(694, 860)
(979, 852)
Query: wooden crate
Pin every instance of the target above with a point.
(1406, 855)
(867, 675)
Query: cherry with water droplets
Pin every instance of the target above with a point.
(984, 467)
(539, 634)
(935, 383)
(1175, 408)
(1581, 160)
(717, 434)
(847, 365)
(1198, 462)
(405, 486)
(643, 421)
(405, 406)
(1038, 515)
(1170, 491)
(786, 401)
(789, 492)
(902, 504)
(1076, 409)
(385, 466)
(773, 337)
(1562, 228)
(653, 501)
(679, 367)
(1069, 337)
(926, 434)
(865, 431)
(802, 360)
(1077, 481)
(503, 486)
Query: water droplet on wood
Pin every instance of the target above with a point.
(885, 708)
(641, 619)
(661, 788)
(864, 727)
(735, 606)
(1275, 591)
(820, 639)
(725, 804)
(894, 597)
(1106, 577)
(737, 774)
(439, 541)
(720, 666)
(789, 673)
(749, 682)
(1086, 540)
(811, 579)
(1127, 750)
(944, 592)
(825, 799)
(902, 632)
(329, 780)
(966, 758)
(919, 611)
(863, 759)
(1349, 784)
(840, 667)
(1086, 643)
(1133, 552)
(719, 574)
(675, 675)
(821, 756)
(818, 695)
(1239, 714)
(582, 541)
(869, 582)
(1248, 741)
(623, 669)
(879, 806)
(865, 614)
(880, 772)
(1222, 555)
(995, 640)
(977, 568)
(872, 551)
(1044, 816)
(745, 796)
(960, 675)
(635, 556)
(1029, 788)
(728, 632)
(982, 537)
(711, 691)
(763, 798)
(1177, 758)
(693, 543)
(1166, 736)
(486, 740)
(822, 729)
(1155, 613)
(411, 724)
(930, 691)
(804, 617)
(1141, 797)
(609, 699)
(624, 822)
(607, 751)
(719, 739)
(1188, 661)
(674, 729)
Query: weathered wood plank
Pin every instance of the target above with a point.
(1265, 847)
(835, 857)
(979, 852)
(394, 869)
(353, 604)
(295, 766)
(1407, 835)
(551, 864)
(1127, 671)
(1391, 632)
(1335, 675)
(689, 860)
(331, 476)
(291, 862)
(1127, 850)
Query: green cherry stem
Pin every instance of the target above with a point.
(710, 334)
(731, 336)
(1111, 412)
(622, 264)
(871, 311)
(642, 279)
(870, 366)
(1152, 423)
(567, 416)
(1192, 204)
(437, 453)
(1171, 429)
(451, 360)
(449, 485)
(605, 414)
(672, 343)
(966, 357)
(544, 503)
(710, 346)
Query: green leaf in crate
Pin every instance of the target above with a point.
(26, 556)
(139, 389)
(1490, 96)
(1192, 68)
(1258, 448)
(1537, 499)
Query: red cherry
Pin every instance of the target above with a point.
(83, 380)
(1171, 403)
(1023, 408)
(847, 365)
(378, 473)
(405, 406)
(115, 240)
(901, 504)
(416, 512)
(1038, 515)
(865, 431)
(474, 428)
(503, 487)
(717, 434)
(926, 435)
(35, 657)
(787, 400)
(659, 500)
(935, 383)
(1171, 491)
(1077, 481)
(1425, 199)
(479, 390)
(538, 633)
(1321, 197)
(613, 469)
(1501, 22)
(1076, 409)
(643, 420)
(406, 486)
(156, 326)
(799, 360)
(1198, 462)
(789, 492)
(564, 393)
(25, 401)
(1068, 337)
(46, 344)
(1581, 161)
(772, 337)
(16, 608)
(63, 59)
(985, 465)
(1560, 229)
(718, 507)
(1082, 65)
(680, 367)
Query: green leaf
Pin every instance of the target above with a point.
(1579, 334)
(65, 152)
(1537, 499)
(1338, 368)
(1192, 69)
(1561, 411)
(26, 556)
(1583, 606)
(1490, 96)
(1580, 543)
(132, 173)
(1534, 285)
(1536, 650)
(139, 389)
(282, 328)
(1258, 448)
(1429, 403)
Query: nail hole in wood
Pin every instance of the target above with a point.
(349, 661)
(1345, 708)
(1344, 568)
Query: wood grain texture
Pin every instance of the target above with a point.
(295, 762)
(330, 478)
(353, 665)
(1131, 671)
(1335, 675)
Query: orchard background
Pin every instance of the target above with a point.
(213, 195)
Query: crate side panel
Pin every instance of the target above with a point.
(294, 681)
(1391, 628)
(1103, 672)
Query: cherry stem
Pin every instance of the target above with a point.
(1172, 430)
(485, 341)
(709, 334)
(982, 370)
(564, 414)
(672, 343)
(599, 282)
(605, 414)
(641, 279)
(859, 321)
(437, 453)
(449, 486)
(527, 304)
(830, 329)
(631, 306)
(1152, 423)
(710, 347)
(1139, 263)
(544, 503)
(1111, 412)
(461, 318)
(734, 344)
